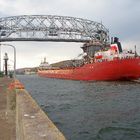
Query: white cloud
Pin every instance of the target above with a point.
(31, 53)
(121, 17)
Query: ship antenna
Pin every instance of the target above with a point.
(44, 59)
(135, 51)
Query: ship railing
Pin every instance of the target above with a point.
(116, 58)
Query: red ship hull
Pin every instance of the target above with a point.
(120, 69)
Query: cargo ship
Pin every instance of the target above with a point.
(100, 62)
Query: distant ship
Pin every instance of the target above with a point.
(100, 62)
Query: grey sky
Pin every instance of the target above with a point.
(121, 17)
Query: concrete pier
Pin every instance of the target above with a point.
(21, 118)
(32, 122)
(7, 111)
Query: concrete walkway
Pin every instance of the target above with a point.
(20, 116)
(32, 122)
(7, 111)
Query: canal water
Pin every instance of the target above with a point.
(89, 110)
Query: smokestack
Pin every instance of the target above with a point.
(112, 40)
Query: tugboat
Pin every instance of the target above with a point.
(100, 62)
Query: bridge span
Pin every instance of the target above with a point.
(51, 28)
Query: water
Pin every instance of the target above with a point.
(89, 110)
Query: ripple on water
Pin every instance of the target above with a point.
(89, 110)
(118, 133)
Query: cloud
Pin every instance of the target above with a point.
(120, 17)
(32, 53)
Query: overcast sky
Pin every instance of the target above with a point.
(121, 17)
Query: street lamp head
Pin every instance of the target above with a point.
(6, 56)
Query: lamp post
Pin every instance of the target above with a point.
(5, 63)
(14, 57)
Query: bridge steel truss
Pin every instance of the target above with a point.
(51, 28)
